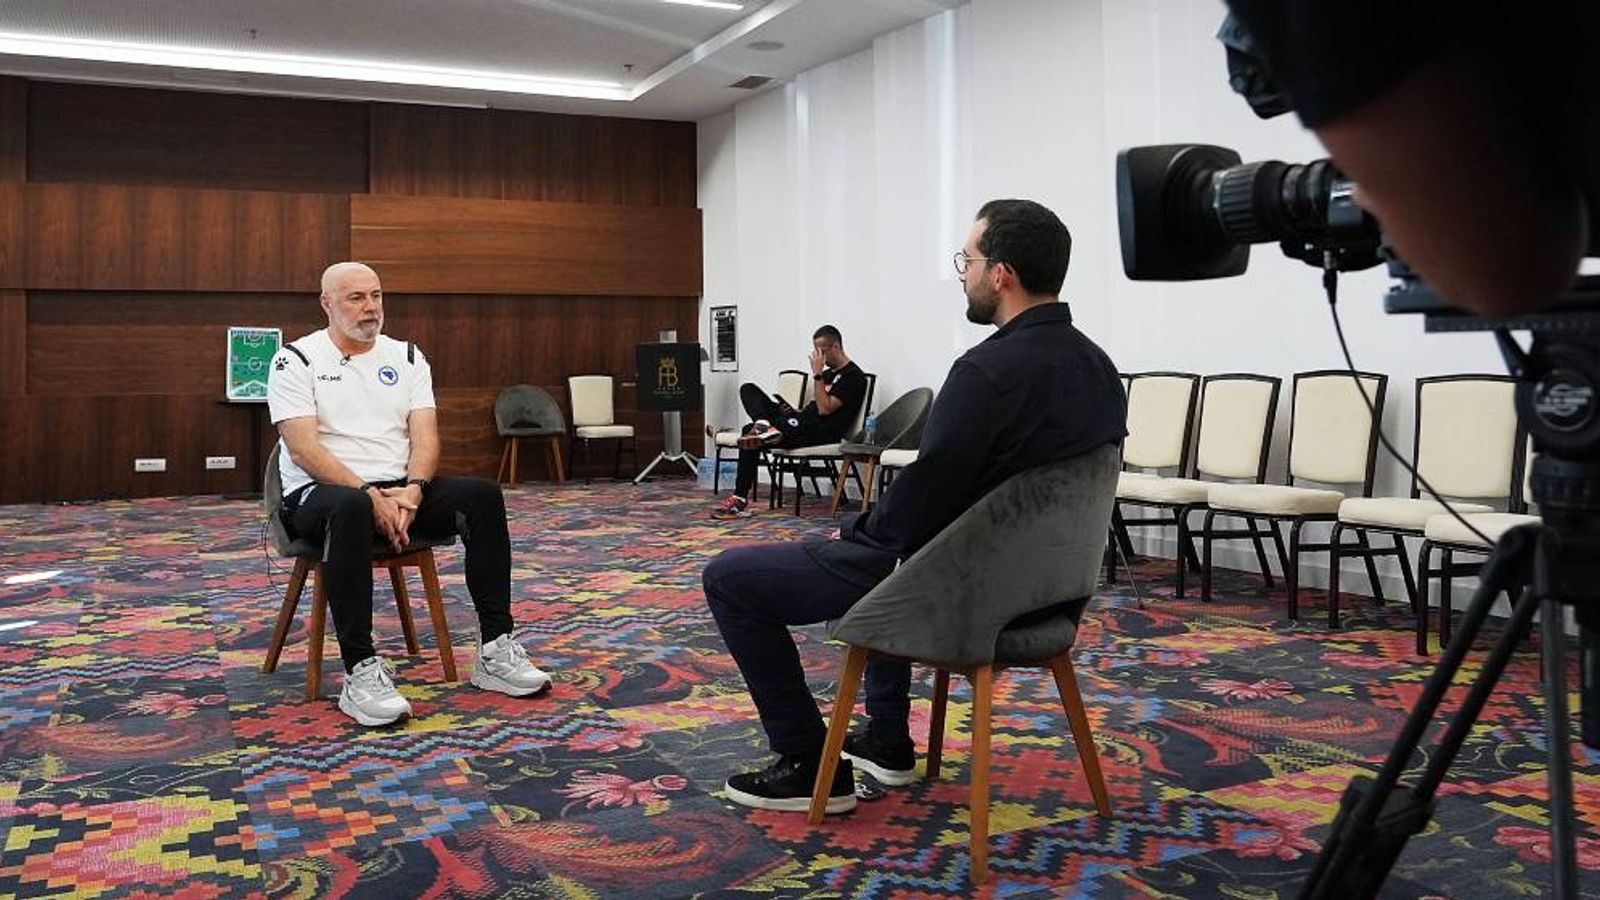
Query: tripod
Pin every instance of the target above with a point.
(1374, 821)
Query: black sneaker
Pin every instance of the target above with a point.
(892, 764)
(786, 786)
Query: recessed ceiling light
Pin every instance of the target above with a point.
(710, 4)
(765, 45)
(307, 67)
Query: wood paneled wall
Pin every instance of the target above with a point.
(437, 245)
(136, 225)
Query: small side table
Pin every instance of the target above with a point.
(865, 455)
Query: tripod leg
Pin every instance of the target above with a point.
(1563, 843)
(1357, 855)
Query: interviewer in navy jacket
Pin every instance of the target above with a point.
(1036, 391)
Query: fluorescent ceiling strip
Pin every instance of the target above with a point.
(710, 4)
(306, 67)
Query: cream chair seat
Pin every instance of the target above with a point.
(1446, 529)
(1400, 512)
(1273, 499)
(597, 432)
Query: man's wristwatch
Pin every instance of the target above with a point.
(419, 482)
(366, 486)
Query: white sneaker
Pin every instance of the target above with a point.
(503, 666)
(369, 695)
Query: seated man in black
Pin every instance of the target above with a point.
(1036, 391)
(838, 386)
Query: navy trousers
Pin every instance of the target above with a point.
(756, 593)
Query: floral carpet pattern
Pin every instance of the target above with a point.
(144, 754)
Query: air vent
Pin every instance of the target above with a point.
(751, 82)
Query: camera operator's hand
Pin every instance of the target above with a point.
(1477, 206)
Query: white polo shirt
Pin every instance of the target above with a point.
(361, 403)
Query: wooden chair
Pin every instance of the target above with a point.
(1001, 587)
(307, 560)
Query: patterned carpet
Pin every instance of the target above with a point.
(143, 753)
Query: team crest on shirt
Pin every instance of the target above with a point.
(388, 375)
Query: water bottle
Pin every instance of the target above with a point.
(871, 428)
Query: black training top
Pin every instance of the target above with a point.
(847, 384)
(1036, 391)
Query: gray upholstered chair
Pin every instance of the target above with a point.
(524, 411)
(899, 427)
(308, 559)
(1001, 587)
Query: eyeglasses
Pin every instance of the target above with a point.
(962, 261)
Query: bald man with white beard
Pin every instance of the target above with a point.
(359, 447)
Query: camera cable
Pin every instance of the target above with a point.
(1330, 284)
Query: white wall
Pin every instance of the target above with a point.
(840, 198)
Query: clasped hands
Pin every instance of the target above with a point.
(393, 511)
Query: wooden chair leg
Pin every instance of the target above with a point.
(855, 663)
(553, 446)
(314, 634)
(870, 485)
(291, 600)
(505, 456)
(941, 699)
(441, 627)
(402, 602)
(838, 485)
(978, 806)
(1078, 718)
(514, 442)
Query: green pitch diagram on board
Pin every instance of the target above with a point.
(250, 353)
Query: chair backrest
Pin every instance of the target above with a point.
(525, 406)
(1237, 411)
(792, 387)
(858, 427)
(1033, 542)
(591, 400)
(1467, 441)
(272, 501)
(1333, 436)
(899, 426)
(1160, 418)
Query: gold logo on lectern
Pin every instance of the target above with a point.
(667, 373)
